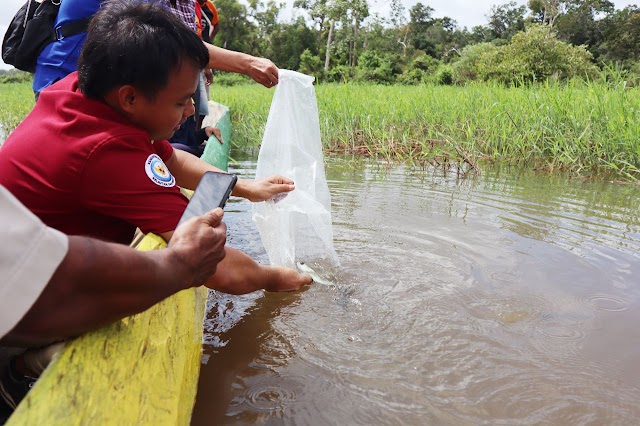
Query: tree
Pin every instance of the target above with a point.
(581, 23)
(622, 37)
(265, 17)
(546, 11)
(353, 13)
(537, 55)
(335, 10)
(441, 36)
(397, 17)
(419, 69)
(310, 64)
(506, 20)
(287, 43)
(531, 56)
(468, 67)
(398, 21)
(317, 10)
(378, 37)
(235, 29)
(377, 69)
(327, 54)
(481, 34)
(421, 18)
(345, 18)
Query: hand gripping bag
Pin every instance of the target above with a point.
(296, 227)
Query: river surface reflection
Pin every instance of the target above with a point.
(502, 299)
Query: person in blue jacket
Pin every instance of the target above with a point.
(60, 58)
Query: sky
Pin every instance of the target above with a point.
(467, 13)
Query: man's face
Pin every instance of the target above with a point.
(172, 105)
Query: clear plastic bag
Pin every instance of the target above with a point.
(296, 227)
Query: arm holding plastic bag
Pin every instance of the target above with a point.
(188, 170)
(261, 70)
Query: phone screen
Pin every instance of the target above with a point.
(213, 191)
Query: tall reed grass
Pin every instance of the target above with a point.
(582, 128)
(16, 100)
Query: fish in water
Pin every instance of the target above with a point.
(316, 278)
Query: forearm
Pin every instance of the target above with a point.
(88, 290)
(227, 60)
(188, 170)
(261, 70)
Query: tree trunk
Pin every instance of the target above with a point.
(327, 56)
(319, 38)
(354, 57)
(551, 12)
(403, 42)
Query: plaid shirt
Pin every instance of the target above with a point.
(185, 10)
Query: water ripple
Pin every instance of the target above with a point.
(608, 303)
(506, 300)
(268, 393)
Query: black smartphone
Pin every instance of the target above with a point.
(213, 191)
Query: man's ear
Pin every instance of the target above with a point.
(128, 98)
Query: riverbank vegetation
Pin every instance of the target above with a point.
(584, 128)
(549, 85)
(14, 76)
(16, 100)
(554, 85)
(581, 128)
(357, 40)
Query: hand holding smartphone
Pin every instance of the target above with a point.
(213, 191)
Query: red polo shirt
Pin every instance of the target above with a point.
(84, 169)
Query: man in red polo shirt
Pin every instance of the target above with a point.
(92, 157)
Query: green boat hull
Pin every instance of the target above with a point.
(217, 153)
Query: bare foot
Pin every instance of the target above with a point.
(286, 279)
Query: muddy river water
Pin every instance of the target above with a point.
(506, 298)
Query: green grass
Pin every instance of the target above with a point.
(16, 100)
(584, 129)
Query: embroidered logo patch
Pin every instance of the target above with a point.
(158, 172)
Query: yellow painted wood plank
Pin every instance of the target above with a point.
(138, 371)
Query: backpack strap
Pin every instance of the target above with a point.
(70, 29)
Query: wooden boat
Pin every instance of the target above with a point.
(141, 370)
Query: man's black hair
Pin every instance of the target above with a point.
(137, 43)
